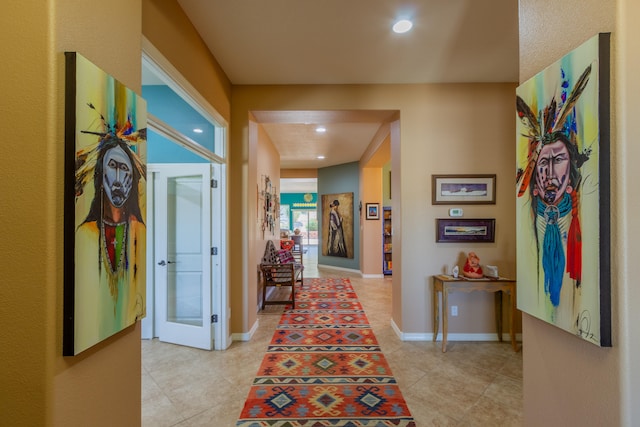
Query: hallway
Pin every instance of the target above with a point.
(473, 384)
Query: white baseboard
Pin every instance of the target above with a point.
(373, 276)
(333, 267)
(428, 336)
(227, 343)
(245, 336)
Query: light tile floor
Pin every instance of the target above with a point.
(472, 384)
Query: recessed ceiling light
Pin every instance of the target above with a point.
(320, 157)
(321, 129)
(198, 130)
(402, 26)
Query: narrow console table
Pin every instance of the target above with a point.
(447, 284)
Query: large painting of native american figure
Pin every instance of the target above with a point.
(562, 192)
(337, 228)
(105, 206)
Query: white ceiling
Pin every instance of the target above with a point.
(351, 42)
(348, 133)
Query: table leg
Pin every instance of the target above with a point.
(436, 313)
(445, 316)
(498, 310)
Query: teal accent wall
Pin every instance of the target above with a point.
(162, 150)
(291, 198)
(166, 105)
(343, 178)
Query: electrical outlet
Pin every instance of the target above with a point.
(454, 310)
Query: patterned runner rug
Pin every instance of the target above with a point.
(324, 367)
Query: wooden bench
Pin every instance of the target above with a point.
(279, 269)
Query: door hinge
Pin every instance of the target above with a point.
(214, 318)
(214, 183)
(214, 251)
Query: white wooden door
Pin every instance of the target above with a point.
(183, 282)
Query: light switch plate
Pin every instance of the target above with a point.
(455, 212)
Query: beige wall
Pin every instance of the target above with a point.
(87, 387)
(625, 225)
(627, 228)
(31, 270)
(40, 387)
(268, 165)
(430, 131)
(396, 203)
(101, 386)
(566, 380)
(248, 243)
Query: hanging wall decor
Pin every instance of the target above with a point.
(270, 204)
(562, 193)
(373, 211)
(104, 206)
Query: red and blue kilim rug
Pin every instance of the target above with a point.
(324, 367)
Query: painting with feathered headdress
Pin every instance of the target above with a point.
(105, 206)
(562, 193)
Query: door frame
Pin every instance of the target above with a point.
(220, 290)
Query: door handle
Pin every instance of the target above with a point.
(165, 263)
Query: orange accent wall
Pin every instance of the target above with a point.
(371, 230)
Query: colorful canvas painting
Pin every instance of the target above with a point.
(337, 229)
(105, 206)
(562, 193)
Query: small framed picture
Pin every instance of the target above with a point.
(463, 189)
(465, 230)
(373, 211)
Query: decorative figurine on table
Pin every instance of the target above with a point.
(472, 267)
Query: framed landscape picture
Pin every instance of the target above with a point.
(465, 230)
(463, 189)
(373, 211)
